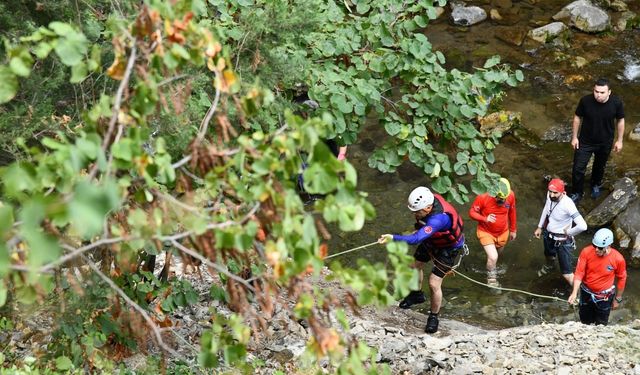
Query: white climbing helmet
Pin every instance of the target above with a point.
(602, 238)
(420, 198)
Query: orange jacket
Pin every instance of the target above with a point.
(597, 273)
(485, 204)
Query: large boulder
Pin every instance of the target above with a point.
(624, 191)
(467, 16)
(548, 32)
(499, 122)
(627, 229)
(585, 16)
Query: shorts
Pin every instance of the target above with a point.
(487, 238)
(562, 249)
(443, 259)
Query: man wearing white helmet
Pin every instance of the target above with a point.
(598, 265)
(439, 233)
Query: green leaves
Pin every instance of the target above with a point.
(71, 46)
(90, 205)
(9, 86)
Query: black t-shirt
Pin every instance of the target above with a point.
(598, 119)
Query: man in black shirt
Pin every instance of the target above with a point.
(597, 117)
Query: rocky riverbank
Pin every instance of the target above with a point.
(459, 348)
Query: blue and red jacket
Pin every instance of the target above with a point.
(441, 229)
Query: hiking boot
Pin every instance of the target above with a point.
(545, 270)
(595, 192)
(414, 298)
(432, 324)
(575, 197)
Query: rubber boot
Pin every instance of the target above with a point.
(414, 298)
(432, 323)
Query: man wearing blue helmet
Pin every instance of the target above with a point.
(598, 265)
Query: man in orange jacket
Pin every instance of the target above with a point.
(598, 265)
(496, 217)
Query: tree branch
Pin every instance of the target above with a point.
(132, 303)
(209, 263)
(205, 122)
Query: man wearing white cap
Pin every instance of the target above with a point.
(439, 233)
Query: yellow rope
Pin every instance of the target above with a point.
(453, 269)
(510, 289)
(350, 250)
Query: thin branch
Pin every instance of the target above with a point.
(147, 318)
(116, 105)
(169, 80)
(205, 122)
(209, 263)
(74, 252)
(181, 162)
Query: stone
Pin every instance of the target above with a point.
(589, 18)
(634, 135)
(499, 122)
(467, 16)
(548, 32)
(624, 191)
(511, 35)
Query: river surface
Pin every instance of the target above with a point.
(547, 99)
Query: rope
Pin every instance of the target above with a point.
(350, 250)
(465, 251)
(453, 270)
(509, 289)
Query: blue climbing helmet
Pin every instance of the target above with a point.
(602, 238)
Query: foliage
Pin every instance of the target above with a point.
(101, 197)
(186, 139)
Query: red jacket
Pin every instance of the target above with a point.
(485, 204)
(597, 273)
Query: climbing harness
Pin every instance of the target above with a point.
(602, 296)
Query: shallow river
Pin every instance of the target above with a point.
(547, 100)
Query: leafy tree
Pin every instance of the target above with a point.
(186, 139)
(105, 194)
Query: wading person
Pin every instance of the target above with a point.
(597, 117)
(439, 233)
(598, 266)
(559, 222)
(496, 217)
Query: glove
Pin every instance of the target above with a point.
(385, 238)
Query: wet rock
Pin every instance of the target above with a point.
(619, 6)
(511, 35)
(503, 4)
(548, 32)
(566, 11)
(627, 229)
(495, 15)
(624, 191)
(622, 21)
(558, 133)
(634, 135)
(467, 15)
(499, 122)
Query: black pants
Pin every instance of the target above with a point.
(581, 158)
(594, 311)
